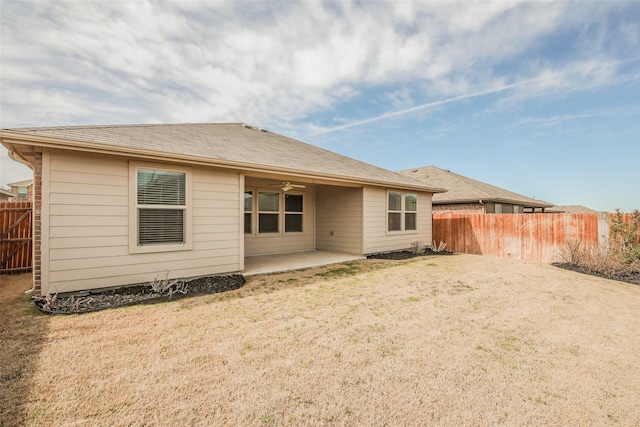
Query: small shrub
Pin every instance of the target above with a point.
(47, 301)
(438, 248)
(571, 253)
(167, 286)
(596, 258)
(417, 248)
(619, 255)
(625, 237)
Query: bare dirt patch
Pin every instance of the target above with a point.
(457, 340)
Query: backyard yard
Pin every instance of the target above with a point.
(436, 340)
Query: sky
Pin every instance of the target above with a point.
(540, 98)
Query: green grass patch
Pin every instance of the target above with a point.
(339, 272)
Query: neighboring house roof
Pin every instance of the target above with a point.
(25, 183)
(227, 145)
(6, 193)
(574, 209)
(461, 189)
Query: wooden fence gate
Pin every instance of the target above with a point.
(15, 237)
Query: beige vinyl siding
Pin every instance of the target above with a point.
(377, 238)
(263, 244)
(339, 219)
(88, 227)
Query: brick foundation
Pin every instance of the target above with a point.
(459, 208)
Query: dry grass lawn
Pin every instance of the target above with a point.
(450, 340)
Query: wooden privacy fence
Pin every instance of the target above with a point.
(535, 237)
(15, 237)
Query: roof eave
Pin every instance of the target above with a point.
(10, 139)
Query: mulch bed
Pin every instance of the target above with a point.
(142, 294)
(400, 255)
(632, 277)
(86, 302)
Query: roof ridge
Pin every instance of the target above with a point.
(462, 187)
(236, 144)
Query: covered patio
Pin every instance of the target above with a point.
(277, 263)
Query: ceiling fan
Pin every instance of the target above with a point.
(286, 186)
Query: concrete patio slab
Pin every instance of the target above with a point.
(294, 261)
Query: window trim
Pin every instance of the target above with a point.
(406, 211)
(403, 211)
(251, 212)
(134, 247)
(277, 212)
(255, 221)
(285, 212)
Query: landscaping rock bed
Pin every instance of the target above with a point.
(131, 295)
(400, 255)
(632, 277)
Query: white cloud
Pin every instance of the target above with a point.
(266, 62)
(12, 171)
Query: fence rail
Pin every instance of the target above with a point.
(15, 237)
(535, 237)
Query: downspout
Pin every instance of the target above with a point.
(16, 157)
(484, 210)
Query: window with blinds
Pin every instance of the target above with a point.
(161, 205)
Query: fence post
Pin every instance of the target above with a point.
(603, 228)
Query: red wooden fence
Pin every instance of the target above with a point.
(536, 237)
(15, 237)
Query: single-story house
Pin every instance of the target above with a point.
(466, 195)
(115, 205)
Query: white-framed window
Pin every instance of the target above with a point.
(268, 212)
(160, 208)
(248, 212)
(22, 192)
(402, 211)
(411, 212)
(293, 211)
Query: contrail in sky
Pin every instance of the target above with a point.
(423, 107)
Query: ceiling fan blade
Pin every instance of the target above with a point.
(287, 185)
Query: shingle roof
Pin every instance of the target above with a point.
(233, 143)
(574, 209)
(466, 190)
